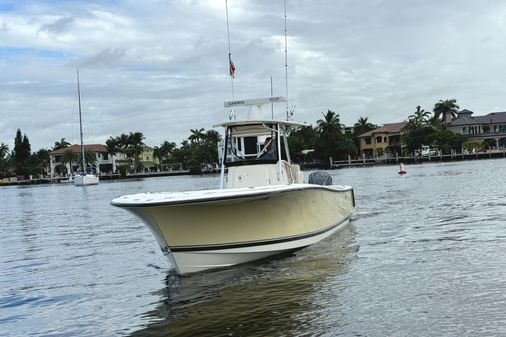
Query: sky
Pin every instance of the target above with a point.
(160, 67)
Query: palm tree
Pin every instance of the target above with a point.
(135, 147)
(165, 150)
(363, 125)
(4, 151)
(123, 141)
(436, 123)
(420, 117)
(61, 144)
(69, 157)
(445, 108)
(347, 145)
(330, 124)
(4, 156)
(113, 146)
(211, 140)
(329, 136)
(91, 159)
(212, 136)
(41, 160)
(197, 135)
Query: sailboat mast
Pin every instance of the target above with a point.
(80, 124)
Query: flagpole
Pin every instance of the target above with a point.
(230, 64)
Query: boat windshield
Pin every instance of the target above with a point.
(252, 144)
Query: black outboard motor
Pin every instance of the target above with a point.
(320, 178)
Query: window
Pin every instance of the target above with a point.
(379, 139)
(464, 130)
(368, 141)
(394, 140)
(105, 156)
(250, 145)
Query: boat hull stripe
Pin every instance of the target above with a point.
(253, 243)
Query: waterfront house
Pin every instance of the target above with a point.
(386, 140)
(489, 129)
(148, 160)
(104, 162)
(347, 130)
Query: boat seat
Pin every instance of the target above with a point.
(255, 175)
(298, 176)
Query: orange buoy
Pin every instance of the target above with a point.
(402, 170)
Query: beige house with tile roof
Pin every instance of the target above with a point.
(384, 140)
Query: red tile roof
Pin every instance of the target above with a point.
(386, 128)
(77, 149)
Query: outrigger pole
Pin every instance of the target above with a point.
(230, 64)
(286, 70)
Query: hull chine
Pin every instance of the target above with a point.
(189, 260)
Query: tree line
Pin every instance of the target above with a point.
(199, 147)
(21, 161)
(422, 128)
(326, 138)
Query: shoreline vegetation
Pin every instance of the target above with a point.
(328, 144)
(351, 163)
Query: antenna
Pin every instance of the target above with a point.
(231, 115)
(230, 64)
(286, 68)
(272, 105)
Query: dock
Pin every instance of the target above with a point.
(103, 177)
(413, 159)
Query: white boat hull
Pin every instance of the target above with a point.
(85, 180)
(191, 262)
(219, 228)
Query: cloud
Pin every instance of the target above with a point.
(59, 26)
(161, 67)
(106, 57)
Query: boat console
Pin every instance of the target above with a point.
(257, 154)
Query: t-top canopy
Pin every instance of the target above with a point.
(291, 124)
(260, 127)
(255, 101)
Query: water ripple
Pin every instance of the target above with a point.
(422, 257)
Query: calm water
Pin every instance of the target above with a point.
(425, 255)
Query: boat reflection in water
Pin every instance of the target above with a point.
(262, 208)
(287, 296)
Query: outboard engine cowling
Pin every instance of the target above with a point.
(320, 178)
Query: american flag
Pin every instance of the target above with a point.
(231, 66)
